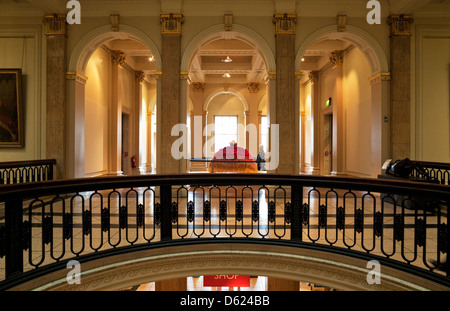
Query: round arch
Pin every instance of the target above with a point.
(333, 270)
(243, 33)
(230, 92)
(364, 41)
(91, 41)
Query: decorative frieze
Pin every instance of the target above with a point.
(400, 25)
(140, 76)
(55, 24)
(284, 23)
(382, 76)
(77, 77)
(171, 24)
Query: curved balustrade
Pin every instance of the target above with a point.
(45, 224)
(26, 171)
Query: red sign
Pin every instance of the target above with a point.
(226, 280)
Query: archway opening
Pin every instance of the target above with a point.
(227, 81)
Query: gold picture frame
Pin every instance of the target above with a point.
(11, 109)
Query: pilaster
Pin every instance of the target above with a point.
(400, 121)
(285, 93)
(170, 90)
(56, 38)
(315, 122)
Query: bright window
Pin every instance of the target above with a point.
(226, 130)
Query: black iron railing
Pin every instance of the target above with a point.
(47, 223)
(435, 171)
(26, 171)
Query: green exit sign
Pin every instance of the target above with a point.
(328, 102)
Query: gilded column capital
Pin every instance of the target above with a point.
(313, 76)
(139, 75)
(118, 57)
(171, 23)
(253, 87)
(337, 58)
(400, 25)
(55, 24)
(284, 23)
(198, 87)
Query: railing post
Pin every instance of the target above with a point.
(14, 237)
(296, 222)
(166, 221)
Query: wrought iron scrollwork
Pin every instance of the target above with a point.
(239, 210)
(288, 212)
(223, 210)
(140, 215)
(378, 224)
(322, 216)
(207, 211)
(174, 212)
(157, 214)
(420, 232)
(398, 228)
(105, 218)
(67, 226)
(255, 211)
(271, 211)
(340, 218)
(359, 222)
(87, 220)
(190, 211)
(26, 238)
(123, 217)
(305, 214)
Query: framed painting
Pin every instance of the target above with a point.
(11, 109)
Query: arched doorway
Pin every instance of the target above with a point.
(226, 66)
(343, 103)
(109, 102)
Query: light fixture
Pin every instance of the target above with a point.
(227, 60)
(303, 59)
(226, 75)
(151, 59)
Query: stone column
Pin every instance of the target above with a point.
(400, 86)
(139, 118)
(148, 166)
(285, 93)
(170, 91)
(315, 123)
(56, 38)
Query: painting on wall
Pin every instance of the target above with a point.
(11, 110)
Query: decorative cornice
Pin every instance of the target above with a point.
(171, 23)
(77, 77)
(284, 23)
(400, 25)
(382, 76)
(55, 24)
